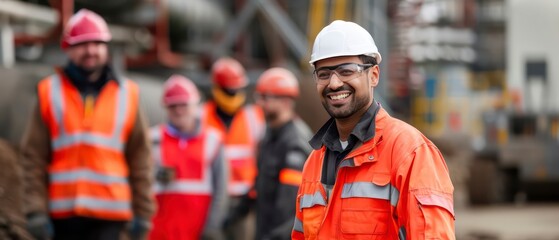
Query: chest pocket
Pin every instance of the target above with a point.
(366, 208)
(312, 204)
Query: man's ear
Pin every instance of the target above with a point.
(374, 74)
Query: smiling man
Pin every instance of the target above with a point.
(370, 176)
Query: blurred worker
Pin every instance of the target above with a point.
(281, 154)
(12, 220)
(86, 149)
(370, 176)
(191, 172)
(242, 126)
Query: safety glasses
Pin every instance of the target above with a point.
(345, 72)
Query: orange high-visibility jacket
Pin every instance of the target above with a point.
(394, 186)
(88, 173)
(185, 203)
(241, 141)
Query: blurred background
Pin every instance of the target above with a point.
(476, 76)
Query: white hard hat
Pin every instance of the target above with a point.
(342, 38)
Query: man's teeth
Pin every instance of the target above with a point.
(338, 97)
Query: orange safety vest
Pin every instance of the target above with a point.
(88, 171)
(241, 142)
(183, 204)
(394, 186)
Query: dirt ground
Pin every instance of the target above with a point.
(510, 222)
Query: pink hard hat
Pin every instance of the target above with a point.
(179, 89)
(85, 26)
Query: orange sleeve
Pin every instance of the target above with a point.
(425, 207)
(289, 176)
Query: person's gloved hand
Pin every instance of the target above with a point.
(138, 228)
(165, 175)
(40, 226)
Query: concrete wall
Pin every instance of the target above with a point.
(532, 33)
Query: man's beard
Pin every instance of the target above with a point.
(90, 70)
(271, 116)
(354, 106)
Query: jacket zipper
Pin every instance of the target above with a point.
(328, 195)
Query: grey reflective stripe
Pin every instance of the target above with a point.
(297, 225)
(121, 109)
(253, 125)
(371, 190)
(211, 145)
(155, 133)
(85, 174)
(402, 233)
(156, 138)
(181, 186)
(66, 140)
(238, 188)
(366, 190)
(56, 100)
(309, 200)
(394, 196)
(88, 203)
(86, 138)
(233, 152)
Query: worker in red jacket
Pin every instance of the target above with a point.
(191, 173)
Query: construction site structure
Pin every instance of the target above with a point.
(518, 151)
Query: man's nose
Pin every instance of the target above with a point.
(91, 47)
(335, 81)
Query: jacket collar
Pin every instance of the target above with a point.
(364, 131)
(365, 151)
(78, 77)
(176, 133)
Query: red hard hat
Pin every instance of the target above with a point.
(179, 89)
(229, 73)
(85, 26)
(278, 82)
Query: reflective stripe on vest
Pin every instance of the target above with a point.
(183, 186)
(239, 188)
(64, 139)
(371, 190)
(297, 225)
(310, 200)
(240, 143)
(87, 175)
(254, 126)
(156, 138)
(238, 152)
(243, 152)
(88, 202)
